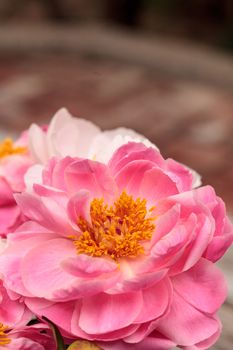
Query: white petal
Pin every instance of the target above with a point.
(70, 136)
(37, 144)
(33, 176)
(105, 144)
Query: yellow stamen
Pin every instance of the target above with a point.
(4, 340)
(116, 231)
(7, 148)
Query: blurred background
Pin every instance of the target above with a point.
(161, 67)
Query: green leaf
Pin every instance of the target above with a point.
(57, 335)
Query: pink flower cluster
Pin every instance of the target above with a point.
(108, 240)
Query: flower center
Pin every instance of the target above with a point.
(117, 231)
(4, 340)
(7, 148)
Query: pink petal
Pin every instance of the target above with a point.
(112, 312)
(28, 230)
(203, 235)
(223, 235)
(137, 275)
(114, 335)
(38, 333)
(171, 247)
(185, 325)
(54, 172)
(24, 344)
(43, 264)
(13, 168)
(91, 176)
(45, 211)
(10, 218)
(181, 175)
(156, 185)
(6, 196)
(130, 177)
(18, 246)
(53, 311)
(156, 300)
(13, 313)
(207, 343)
(87, 266)
(58, 196)
(165, 222)
(133, 151)
(143, 331)
(218, 246)
(50, 262)
(79, 205)
(203, 286)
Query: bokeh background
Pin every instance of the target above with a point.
(161, 67)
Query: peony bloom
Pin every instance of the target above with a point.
(39, 144)
(14, 162)
(123, 251)
(37, 337)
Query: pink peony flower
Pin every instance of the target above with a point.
(14, 162)
(37, 337)
(39, 144)
(123, 251)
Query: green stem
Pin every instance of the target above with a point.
(57, 335)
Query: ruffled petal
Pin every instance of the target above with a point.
(156, 185)
(48, 256)
(91, 176)
(156, 300)
(112, 312)
(45, 211)
(203, 286)
(133, 151)
(79, 206)
(185, 325)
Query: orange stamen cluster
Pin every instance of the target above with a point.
(116, 231)
(4, 340)
(7, 148)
